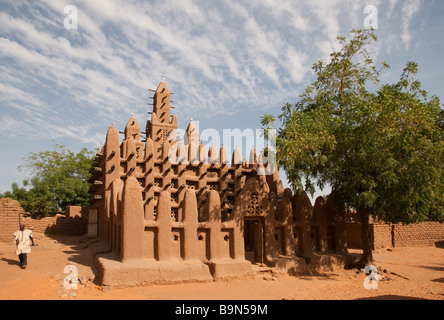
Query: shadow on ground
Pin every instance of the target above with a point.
(79, 250)
(11, 262)
(440, 244)
(390, 297)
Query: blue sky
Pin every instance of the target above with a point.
(228, 62)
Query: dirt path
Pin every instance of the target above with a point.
(406, 273)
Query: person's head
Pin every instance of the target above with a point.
(22, 226)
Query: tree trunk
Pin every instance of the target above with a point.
(367, 254)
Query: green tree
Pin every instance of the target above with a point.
(59, 178)
(380, 147)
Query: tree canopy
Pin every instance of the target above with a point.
(59, 178)
(380, 147)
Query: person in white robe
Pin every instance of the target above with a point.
(23, 240)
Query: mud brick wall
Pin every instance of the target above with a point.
(57, 225)
(385, 235)
(11, 215)
(382, 235)
(354, 235)
(418, 235)
(9, 219)
(77, 211)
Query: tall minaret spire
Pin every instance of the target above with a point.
(162, 102)
(162, 126)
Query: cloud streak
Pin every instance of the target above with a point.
(219, 57)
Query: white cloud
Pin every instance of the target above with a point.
(13, 94)
(409, 9)
(219, 57)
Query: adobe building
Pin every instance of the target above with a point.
(203, 217)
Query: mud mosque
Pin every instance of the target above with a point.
(206, 218)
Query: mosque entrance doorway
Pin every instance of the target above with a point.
(254, 239)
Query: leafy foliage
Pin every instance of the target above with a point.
(58, 179)
(380, 147)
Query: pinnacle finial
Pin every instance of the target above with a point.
(163, 78)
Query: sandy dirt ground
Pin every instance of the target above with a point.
(403, 273)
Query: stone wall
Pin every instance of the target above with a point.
(11, 215)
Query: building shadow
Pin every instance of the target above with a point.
(435, 268)
(391, 297)
(78, 250)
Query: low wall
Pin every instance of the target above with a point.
(382, 235)
(418, 235)
(74, 222)
(58, 224)
(9, 218)
(385, 235)
(353, 235)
